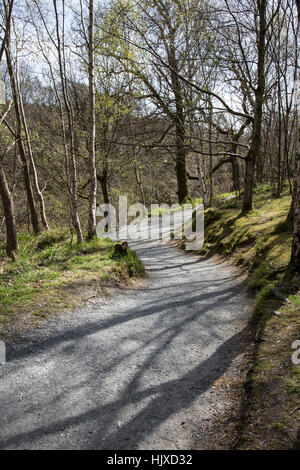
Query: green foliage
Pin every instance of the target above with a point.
(259, 276)
(134, 265)
(50, 238)
(196, 201)
(262, 188)
(263, 294)
(131, 262)
(224, 199)
(260, 236)
(259, 240)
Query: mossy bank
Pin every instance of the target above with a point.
(260, 242)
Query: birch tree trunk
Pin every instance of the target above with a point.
(92, 126)
(32, 164)
(8, 208)
(19, 138)
(202, 183)
(60, 46)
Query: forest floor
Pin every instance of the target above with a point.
(260, 242)
(161, 366)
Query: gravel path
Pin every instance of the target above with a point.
(159, 367)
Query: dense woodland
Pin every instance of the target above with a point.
(162, 100)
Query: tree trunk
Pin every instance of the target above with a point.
(255, 145)
(103, 180)
(18, 136)
(259, 168)
(70, 115)
(235, 174)
(33, 167)
(290, 217)
(139, 181)
(181, 167)
(92, 127)
(248, 194)
(5, 27)
(202, 183)
(295, 255)
(179, 121)
(8, 208)
(211, 178)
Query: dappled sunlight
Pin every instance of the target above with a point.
(136, 365)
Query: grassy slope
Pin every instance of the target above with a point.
(51, 275)
(261, 242)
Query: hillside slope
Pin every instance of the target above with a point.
(260, 242)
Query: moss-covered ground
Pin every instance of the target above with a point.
(260, 242)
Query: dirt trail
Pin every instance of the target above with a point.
(159, 367)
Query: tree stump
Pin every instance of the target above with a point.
(121, 248)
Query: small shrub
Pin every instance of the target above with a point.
(134, 264)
